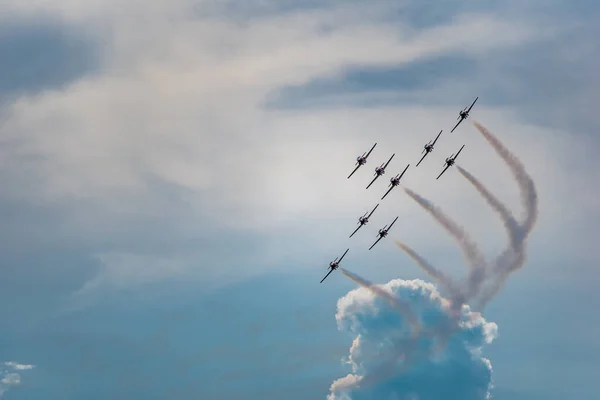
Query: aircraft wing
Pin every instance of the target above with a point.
(356, 230)
(343, 255)
(386, 193)
(472, 104)
(402, 174)
(386, 164)
(457, 124)
(443, 171)
(377, 241)
(388, 229)
(422, 158)
(330, 271)
(436, 138)
(374, 179)
(458, 152)
(367, 156)
(357, 167)
(373, 211)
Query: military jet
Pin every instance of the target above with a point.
(361, 160)
(383, 233)
(334, 265)
(464, 114)
(364, 220)
(380, 170)
(428, 148)
(450, 161)
(395, 181)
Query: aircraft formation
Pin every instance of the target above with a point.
(395, 181)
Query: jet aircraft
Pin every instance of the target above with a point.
(334, 265)
(395, 181)
(464, 114)
(380, 170)
(383, 233)
(364, 220)
(361, 160)
(428, 148)
(450, 161)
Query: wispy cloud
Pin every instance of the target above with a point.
(8, 378)
(170, 146)
(17, 366)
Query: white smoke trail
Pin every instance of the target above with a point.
(515, 252)
(510, 223)
(529, 197)
(470, 250)
(510, 261)
(456, 296)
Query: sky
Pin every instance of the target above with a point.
(174, 187)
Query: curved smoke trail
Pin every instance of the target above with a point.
(470, 250)
(456, 295)
(510, 223)
(529, 197)
(510, 261)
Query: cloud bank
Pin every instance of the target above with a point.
(389, 363)
(10, 377)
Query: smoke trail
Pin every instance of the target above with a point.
(456, 294)
(402, 307)
(529, 196)
(510, 223)
(515, 253)
(470, 250)
(510, 261)
(457, 298)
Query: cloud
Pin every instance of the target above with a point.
(387, 363)
(17, 366)
(179, 145)
(38, 49)
(9, 378)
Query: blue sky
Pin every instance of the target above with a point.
(174, 186)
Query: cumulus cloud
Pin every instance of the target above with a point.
(387, 362)
(10, 378)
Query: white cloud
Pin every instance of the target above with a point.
(8, 378)
(17, 366)
(180, 99)
(388, 362)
